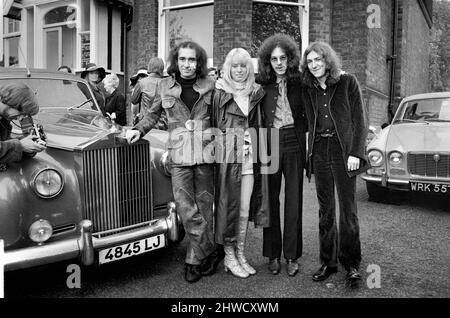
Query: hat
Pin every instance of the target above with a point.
(140, 73)
(90, 67)
(19, 96)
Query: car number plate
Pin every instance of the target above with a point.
(429, 187)
(131, 249)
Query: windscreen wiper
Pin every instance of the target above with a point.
(439, 120)
(406, 120)
(78, 106)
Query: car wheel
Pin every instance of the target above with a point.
(376, 192)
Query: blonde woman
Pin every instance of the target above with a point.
(235, 110)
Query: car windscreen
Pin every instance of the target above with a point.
(58, 92)
(424, 110)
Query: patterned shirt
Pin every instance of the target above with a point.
(283, 115)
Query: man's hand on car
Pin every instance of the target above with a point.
(132, 135)
(32, 143)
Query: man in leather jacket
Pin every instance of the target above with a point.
(185, 97)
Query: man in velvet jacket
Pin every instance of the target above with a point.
(337, 123)
(282, 109)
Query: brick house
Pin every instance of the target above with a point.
(361, 31)
(383, 42)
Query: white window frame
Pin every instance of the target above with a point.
(162, 22)
(40, 9)
(303, 6)
(5, 47)
(51, 29)
(58, 26)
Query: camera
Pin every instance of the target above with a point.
(30, 128)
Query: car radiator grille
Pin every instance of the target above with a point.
(117, 183)
(427, 165)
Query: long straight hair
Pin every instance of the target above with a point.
(200, 54)
(332, 62)
(227, 83)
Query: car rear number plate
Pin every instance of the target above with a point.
(430, 187)
(131, 249)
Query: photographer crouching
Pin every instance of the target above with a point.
(17, 101)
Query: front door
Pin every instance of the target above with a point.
(59, 45)
(53, 48)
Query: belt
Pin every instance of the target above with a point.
(287, 127)
(327, 135)
(190, 124)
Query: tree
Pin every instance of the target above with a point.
(439, 74)
(177, 33)
(269, 19)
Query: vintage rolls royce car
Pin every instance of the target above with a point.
(413, 152)
(89, 196)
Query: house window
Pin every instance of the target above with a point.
(60, 37)
(270, 17)
(61, 15)
(85, 33)
(11, 37)
(183, 20)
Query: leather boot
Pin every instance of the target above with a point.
(231, 263)
(240, 246)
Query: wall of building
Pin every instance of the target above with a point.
(342, 23)
(349, 35)
(413, 65)
(232, 27)
(378, 68)
(142, 39)
(320, 20)
(364, 50)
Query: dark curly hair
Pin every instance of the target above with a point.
(332, 62)
(289, 46)
(200, 53)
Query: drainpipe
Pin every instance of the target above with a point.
(126, 29)
(392, 59)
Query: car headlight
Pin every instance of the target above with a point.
(47, 183)
(395, 158)
(375, 158)
(40, 231)
(165, 163)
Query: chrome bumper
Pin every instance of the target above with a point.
(385, 182)
(83, 246)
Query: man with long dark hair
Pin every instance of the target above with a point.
(185, 97)
(336, 150)
(282, 108)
